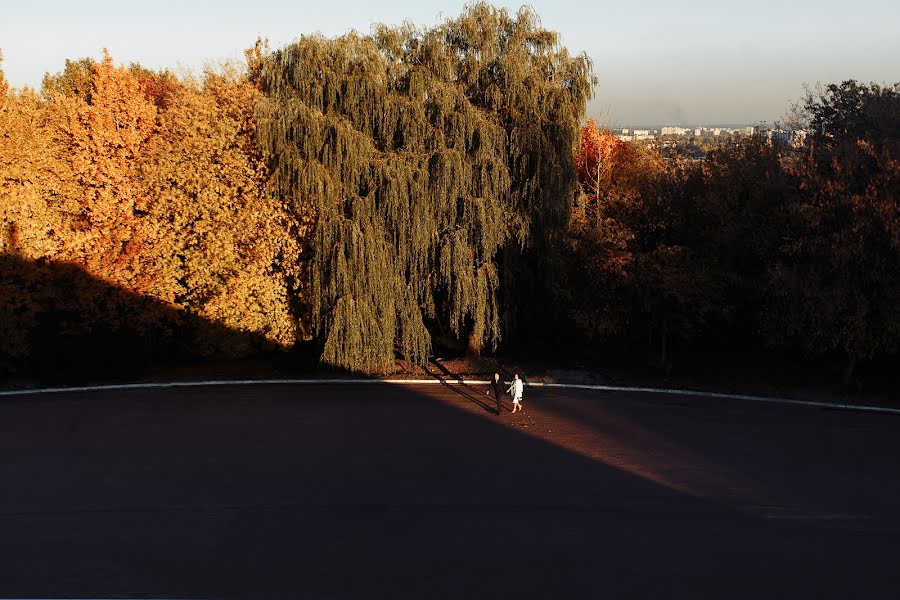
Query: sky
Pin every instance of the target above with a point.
(659, 62)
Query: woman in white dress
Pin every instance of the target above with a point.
(516, 390)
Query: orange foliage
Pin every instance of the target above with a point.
(4, 86)
(239, 246)
(161, 88)
(599, 157)
(155, 185)
(113, 232)
(599, 243)
(628, 260)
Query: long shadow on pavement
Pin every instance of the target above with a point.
(372, 491)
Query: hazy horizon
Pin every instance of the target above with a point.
(696, 63)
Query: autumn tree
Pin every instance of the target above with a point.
(15, 319)
(838, 281)
(154, 188)
(675, 286)
(4, 86)
(160, 87)
(115, 231)
(30, 175)
(422, 153)
(75, 80)
(33, 183)
(32, 178)
(609, 168)
(238, 248)
(599, 251)
(744, 206)
(638, 263)
(72, 195)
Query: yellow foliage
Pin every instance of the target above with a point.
(165, 200)
(239, 247)
(33, 184)
(4, 86)
(112, 229)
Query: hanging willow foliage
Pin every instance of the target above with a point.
(422, 153)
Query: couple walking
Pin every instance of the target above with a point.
(515, 389)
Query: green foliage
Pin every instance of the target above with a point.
(422, 154)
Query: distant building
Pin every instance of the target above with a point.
(783, 137)
(644, 134)
(780, 137)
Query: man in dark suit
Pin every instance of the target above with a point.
(497, 389)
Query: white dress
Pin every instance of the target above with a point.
(517, 390)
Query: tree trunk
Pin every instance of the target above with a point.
(849, 369)
(663, 345)
(473, 346)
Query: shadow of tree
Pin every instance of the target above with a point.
(469, 392)
(60, 324)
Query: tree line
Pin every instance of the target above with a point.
(760, 247)
(370, 194)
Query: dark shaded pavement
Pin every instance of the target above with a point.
(388, 491)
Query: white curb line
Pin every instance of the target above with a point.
(574, 386)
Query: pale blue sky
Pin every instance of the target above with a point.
(659, 62)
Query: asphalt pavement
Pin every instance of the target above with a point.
(362, 491)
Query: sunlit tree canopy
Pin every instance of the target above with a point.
(422, 153)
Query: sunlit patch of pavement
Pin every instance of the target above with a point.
(617, 441)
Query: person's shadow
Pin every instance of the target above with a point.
(465, 390)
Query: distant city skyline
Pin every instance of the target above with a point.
(695, 63)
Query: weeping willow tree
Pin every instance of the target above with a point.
(422, 153)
